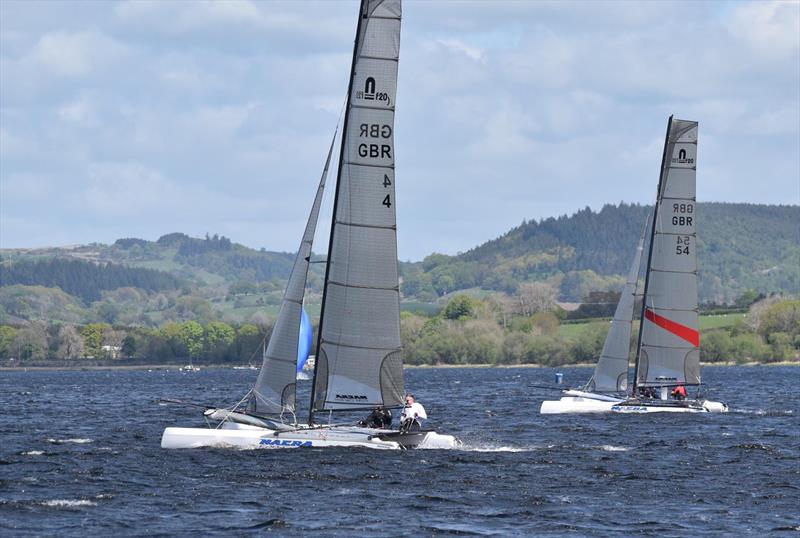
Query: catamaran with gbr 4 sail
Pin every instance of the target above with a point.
(359, 362)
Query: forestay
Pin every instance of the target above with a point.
(670, 339)
(274, 391)
(359, 363)
(611, 372)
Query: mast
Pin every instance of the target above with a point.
(362, 14)
(650, 258)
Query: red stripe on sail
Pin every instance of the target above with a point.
(681, 331)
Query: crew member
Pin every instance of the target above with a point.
(379, 418)
(679, 392)
(648, 392)
(412, 416)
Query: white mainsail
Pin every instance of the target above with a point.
(359, 359)
(274, 391)
(611, 371)
(668, 353)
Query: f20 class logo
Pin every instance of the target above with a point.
(370, 94)
(682, 159)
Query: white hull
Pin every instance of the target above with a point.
(576, 404)
(694, 406)
(233, 435)
(597, 403)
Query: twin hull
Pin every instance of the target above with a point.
(233, 435)
(596, 403)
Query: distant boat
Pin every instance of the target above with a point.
(668, 352)
(359, 360)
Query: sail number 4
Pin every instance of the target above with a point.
(387, 201)
(380, 131)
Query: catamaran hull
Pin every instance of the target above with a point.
(244, 436)
(606, 404)
(575, 404)
(691, 406)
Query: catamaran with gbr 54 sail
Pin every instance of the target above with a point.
(668, 351)
(359, 363)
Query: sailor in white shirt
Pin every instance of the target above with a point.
(412, 415)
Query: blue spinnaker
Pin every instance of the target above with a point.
(304, 342)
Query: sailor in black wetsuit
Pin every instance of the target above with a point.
(379, 418)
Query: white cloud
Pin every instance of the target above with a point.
(118, 189)
(176, 17)
(76, 54)
(216, 116)
(455, 45)
(773, 28)
(79, 112)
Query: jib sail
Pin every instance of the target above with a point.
(274, 391)
(611, 372)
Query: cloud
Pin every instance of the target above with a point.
(76, 54)
(454, 45)
(146, 117)
(772, 28)
(124, 189)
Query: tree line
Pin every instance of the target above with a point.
(471, 330)
(214, 341)
(83, 279)
(495, 329)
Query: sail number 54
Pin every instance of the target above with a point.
(683, 244)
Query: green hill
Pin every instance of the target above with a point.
(740, 247)
(177, 277)
(136, 281)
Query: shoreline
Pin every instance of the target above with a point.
(136, 367)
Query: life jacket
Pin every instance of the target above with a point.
(680, 390)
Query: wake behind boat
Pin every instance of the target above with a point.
(359, 364)
(668, 353)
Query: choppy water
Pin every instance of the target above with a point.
(80, 456)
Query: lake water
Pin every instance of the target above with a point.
(80, 456)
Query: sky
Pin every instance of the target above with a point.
(139, 118)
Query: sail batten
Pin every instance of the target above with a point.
(359, 358)
(669, 335)
(274, 390)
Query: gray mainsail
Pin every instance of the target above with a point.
(359, 360)
(669, 339)
(611, 372)
(274, 391)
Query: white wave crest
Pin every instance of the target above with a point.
(762, 412)
(495, 448)
(77, 441)
(33, 453)
(68, 503)
(612, 448)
